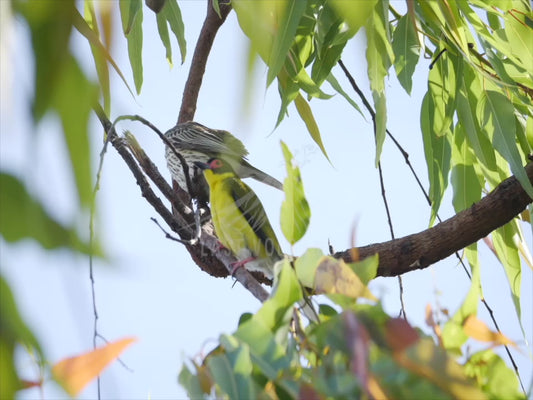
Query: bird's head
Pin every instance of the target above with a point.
(216, 165)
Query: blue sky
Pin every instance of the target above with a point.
(150, 288)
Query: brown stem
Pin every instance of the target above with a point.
(422, 249)
(206, 38)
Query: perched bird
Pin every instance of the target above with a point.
(196, 142)
(239, 218)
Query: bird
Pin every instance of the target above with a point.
(196, 142)
(240, 220)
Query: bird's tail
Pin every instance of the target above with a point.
(249, 171)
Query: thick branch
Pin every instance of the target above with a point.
(199, 59)
(422, 249)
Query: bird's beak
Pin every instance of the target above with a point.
(202, 165)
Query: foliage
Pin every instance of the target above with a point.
(476, 124)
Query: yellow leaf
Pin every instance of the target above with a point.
(74, 373)
(477, 329)
(334, 276)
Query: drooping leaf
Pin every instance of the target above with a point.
(497, 115)
(509, 257)
(13, 332)
(356, 14)
(75, 120)
(162, 28)
(82, 26)
(336, 85)
(132, 16)
(23, 217)
(172, 13)
(406, 51)
(290, 15)
(437, 150)
(74, 373)
(305, 112)
(477, 329)
(295, 210)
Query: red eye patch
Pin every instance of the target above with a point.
(216, 163)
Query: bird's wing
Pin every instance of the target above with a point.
(251, 208)
(194, 136)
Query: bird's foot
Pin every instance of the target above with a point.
(239, 264)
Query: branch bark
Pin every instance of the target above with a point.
(419, 250)
(206, 38)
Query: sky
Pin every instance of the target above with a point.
(148, 287)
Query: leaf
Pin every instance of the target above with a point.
(74, 373)
(13, 331)
(307, 116)
(306, 265)
(295, 211)
(406, 51)
(497, 114)
(172, 13)
(50, 23)
(335, 277)
(81, 25)
(366, 269)
(75, 120)
(437, 151)
(380, 103)
(132, 17)
(453, 334)
(162, 28)
(23, 217)
(335, 85)
(400, 335)
(496, 379)
(354, 13)
(290, 14)
(191, 383)
(433, 363)
(100, 63)
(509, 257)
(477, 329)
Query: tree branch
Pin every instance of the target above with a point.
(206, 38)
(422, 249)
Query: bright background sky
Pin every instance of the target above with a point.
(149, 288)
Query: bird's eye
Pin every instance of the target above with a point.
(216, 163)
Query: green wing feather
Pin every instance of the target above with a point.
(251, 208)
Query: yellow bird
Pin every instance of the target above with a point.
(240, 220)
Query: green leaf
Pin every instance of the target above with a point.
(295, 211)
(442, 88)
(75, 120)
(378, 50)
(406, 51)
(23, 217)
(191, 383)
(453, 335)
(335, 85)
(496, 379)
(466, 184)
(100, 63)
(504, 243)
(162, 28)
(305, 112)
(437, 150)
(306, 265)
(380, 103)
(172, 13)
(289, 18)
(222, 373)
(13, 332)
(366, 269)
(81, 25)
(355, 13)
(50, 23)
(497, 114)
(132, 17)
(467, 100)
